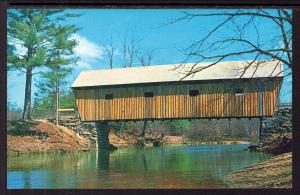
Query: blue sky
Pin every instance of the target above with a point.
(147, 27)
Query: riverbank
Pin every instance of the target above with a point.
(168, 139)
(273, 173)
(277, 144)
(126, 141)
(41, 136)
(276, 172)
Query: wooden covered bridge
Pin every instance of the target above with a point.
(226, 90)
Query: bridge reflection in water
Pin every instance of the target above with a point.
(180, 166)
(103, 159)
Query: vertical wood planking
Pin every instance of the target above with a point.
(173, 101)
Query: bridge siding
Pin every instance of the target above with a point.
(172, 101)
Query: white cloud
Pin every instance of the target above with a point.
(21, 50)
(88, 52)
(87, 48)
(83, 65)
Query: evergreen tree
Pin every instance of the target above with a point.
(33, 32)
(61, 58)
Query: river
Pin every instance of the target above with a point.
(180, 166)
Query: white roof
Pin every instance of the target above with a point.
(166, 73)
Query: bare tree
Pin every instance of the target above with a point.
(216, 46)
(278, 46)
(129, 52)
(145, 58)
(110, 52)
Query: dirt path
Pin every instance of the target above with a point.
(276, 172)
(41, 136)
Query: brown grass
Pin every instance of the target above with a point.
(273, 173)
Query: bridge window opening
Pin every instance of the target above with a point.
(148, 94)
(239, 92)
(108, 96)
(193, 93)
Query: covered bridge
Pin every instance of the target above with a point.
(226, 90)
(156, 92)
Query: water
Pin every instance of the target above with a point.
(179, 166)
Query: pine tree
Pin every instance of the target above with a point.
(33, 30)
(61, 59)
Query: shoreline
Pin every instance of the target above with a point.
(273, 173)
(39, 137)
(170, 140)
(13, 153)
(44, 137)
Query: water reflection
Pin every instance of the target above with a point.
(27, 182)
(144, 161)
(159, 167)
(103, 159)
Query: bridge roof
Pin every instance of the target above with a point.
(166, 73)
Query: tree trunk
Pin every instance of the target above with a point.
(259, 130)
(57, 102)
(229, 126)
(144, 129)
(27, 100)
(120, 131)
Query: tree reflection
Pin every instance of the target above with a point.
(144, 161)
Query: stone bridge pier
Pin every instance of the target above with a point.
(280, 123)
(103, 135)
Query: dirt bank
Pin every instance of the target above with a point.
(277, 144)
(119, 141)
(125, 141)
(41, 136)
(276, 172)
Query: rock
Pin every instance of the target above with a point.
(157, 143)
(85, 133)
(112, 147)
(280, 123)
(252, 148)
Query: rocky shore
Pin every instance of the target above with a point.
(277, 171)
(84, 130)
(281, 123)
